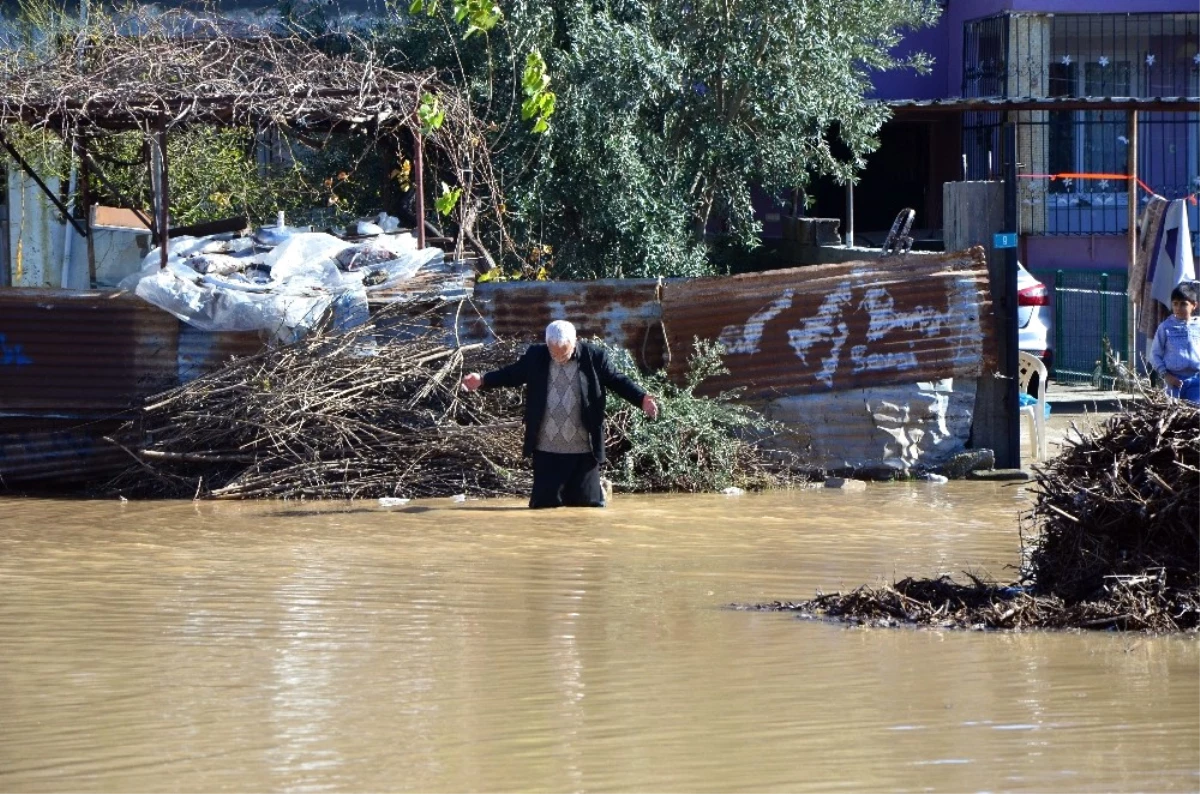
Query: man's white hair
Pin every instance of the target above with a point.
(560, 332)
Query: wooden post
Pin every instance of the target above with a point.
(164, 197)
(1132, 289)
(973, 213)
(419, 181)
(85, 196)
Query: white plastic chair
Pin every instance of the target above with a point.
(1028, 365)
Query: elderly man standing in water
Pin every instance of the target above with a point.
(566, 387)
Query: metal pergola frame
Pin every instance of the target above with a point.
(332, 95)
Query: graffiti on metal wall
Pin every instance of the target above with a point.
(838, 326)
(11, 354)
(828, 326)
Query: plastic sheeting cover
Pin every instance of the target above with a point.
(220, 283)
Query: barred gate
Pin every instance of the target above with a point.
(1091, 318)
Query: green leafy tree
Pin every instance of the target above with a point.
(666, 113)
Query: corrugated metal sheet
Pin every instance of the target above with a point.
(621, 312)
(86, 355)
(833, 327)
(60, 452)
(69, 360)
(81, 355)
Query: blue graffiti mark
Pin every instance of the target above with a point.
(12, 355)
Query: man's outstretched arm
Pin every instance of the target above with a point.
(625, 387)
(515, 374)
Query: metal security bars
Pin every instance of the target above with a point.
(1090, 142)
(1080, 55)
(1070, 56)
(985, 59)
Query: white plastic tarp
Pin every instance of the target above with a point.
(220, 284)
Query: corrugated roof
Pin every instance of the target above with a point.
(887, 321)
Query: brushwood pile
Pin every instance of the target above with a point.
(377, 411)
(1112, 542)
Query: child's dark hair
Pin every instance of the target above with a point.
(1185, 291)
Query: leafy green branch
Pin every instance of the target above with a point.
(480, 16)
(697, 443)
(539, 99)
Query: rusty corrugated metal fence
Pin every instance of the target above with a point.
(72, 362)
(835, 327)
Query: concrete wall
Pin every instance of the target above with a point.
(1067, 252)
(895, 427)
(118, 253)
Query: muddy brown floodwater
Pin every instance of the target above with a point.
(171, 646)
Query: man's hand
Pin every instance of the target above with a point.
(1172, 381)
(472, 381)
(650, 407)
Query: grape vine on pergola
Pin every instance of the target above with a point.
(165, 73)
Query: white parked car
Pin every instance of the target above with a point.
(1034, 331)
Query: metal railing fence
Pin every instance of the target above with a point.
(1091, 319)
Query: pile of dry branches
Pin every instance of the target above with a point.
(1130, 603)
(1116, 543)
(1123, 502)
(370, 413)
(377, 411)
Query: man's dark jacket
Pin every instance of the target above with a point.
(596, 375)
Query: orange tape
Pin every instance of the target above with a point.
(1052, 177)
(1190, 198)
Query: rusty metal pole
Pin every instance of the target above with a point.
(85, 196)
(152, 170)
(163, 197)
(419, 181)
(1131, 290)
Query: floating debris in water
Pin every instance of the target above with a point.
(1115, 542)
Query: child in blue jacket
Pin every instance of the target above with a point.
(1175, 354)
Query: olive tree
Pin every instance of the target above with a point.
(667, 113)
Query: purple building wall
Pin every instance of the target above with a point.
(945, 43)
(908, 85)
(1070, 252)
(960, 11)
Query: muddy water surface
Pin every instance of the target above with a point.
(483, 647)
